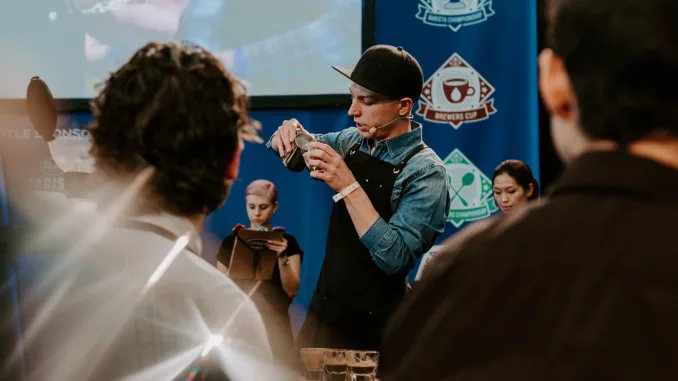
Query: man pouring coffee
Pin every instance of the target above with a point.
(391, 203)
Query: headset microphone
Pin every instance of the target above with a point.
(373, 130)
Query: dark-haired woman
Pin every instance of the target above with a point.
(514, 185)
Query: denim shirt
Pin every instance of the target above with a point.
(420, 200)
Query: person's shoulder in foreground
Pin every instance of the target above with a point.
(167, 136)
(136, 307)
(565, 288)
(581, 285)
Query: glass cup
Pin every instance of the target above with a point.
(306, 149)
(313, 359)
(362, 365)
(336, 363)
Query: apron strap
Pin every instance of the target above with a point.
(407, 158)
(355, 148)
(402, 164)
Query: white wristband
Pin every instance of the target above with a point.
(345, 192)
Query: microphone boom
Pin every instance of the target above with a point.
(373, 130)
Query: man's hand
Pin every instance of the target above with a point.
(330, 167)
(283, 141)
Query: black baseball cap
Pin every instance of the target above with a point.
(387, 70)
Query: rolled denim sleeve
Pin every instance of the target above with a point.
(412, 230)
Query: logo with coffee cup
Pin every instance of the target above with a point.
(454, 13)
(456, 94)
(471, 189)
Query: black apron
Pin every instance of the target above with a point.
(354, 298)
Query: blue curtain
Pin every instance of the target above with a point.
(479, 105)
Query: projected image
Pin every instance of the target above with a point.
(277, 47)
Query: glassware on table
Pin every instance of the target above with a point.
(313, 359)
(362, 365)
(336, 364)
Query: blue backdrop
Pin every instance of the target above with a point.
(479, 45)
(478, 108)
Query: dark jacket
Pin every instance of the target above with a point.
(580, 286)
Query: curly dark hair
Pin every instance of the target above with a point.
(175, 107)
(621, 59)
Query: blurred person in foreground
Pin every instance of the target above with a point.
(128, 295)
(581, 285)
